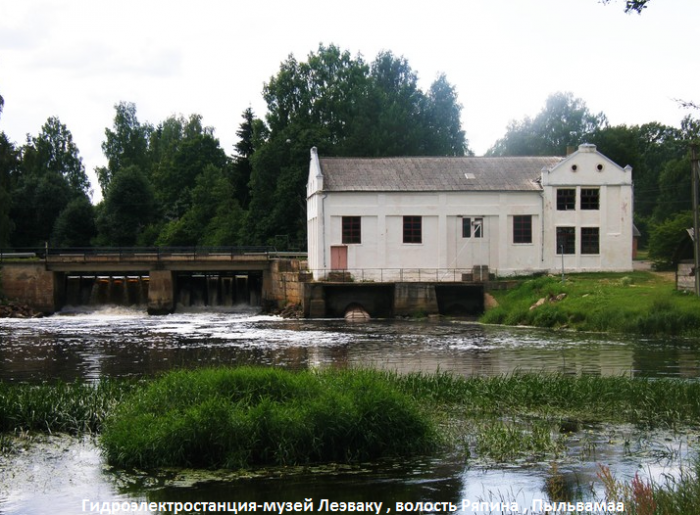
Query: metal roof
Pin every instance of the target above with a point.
(434, 173)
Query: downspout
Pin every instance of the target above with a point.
(323, 228)
(542, 228)
(542, 214)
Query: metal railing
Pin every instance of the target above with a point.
(134, 253)
(400, 275)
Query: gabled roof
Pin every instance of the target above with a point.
(434, 173)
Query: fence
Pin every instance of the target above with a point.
(475, 274)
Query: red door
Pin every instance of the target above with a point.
(339, 258)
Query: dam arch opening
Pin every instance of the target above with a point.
(191, 290)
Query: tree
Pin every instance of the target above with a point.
(9, 164)
(75, 226)
(252, 133)
(125, 145)
(128, 208)
(37, 202)
(53, 151)
(214, 218)
(50, 175)
(668, 238)
(564, 121)
(443, 120)
(180, 151)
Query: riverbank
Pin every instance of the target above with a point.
(639, 302)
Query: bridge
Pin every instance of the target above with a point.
(160, 277)
(163, 278)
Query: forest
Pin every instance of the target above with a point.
(171, 183)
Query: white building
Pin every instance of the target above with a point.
(434, 218)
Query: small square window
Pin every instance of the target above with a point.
(352, 229)
(566, 199)
(590, 198)
(472, 227)
(412, 229)
(522, 229)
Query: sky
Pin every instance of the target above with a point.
(76, 59)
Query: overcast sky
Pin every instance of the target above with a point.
(75, 59)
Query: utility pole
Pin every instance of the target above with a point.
(696, 214)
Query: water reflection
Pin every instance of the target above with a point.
(59, 473)
(119, 342)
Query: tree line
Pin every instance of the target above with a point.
(171, 183)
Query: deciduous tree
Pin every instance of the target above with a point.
(126, 144)
(564, 121)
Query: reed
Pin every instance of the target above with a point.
(670, 496)
(648, 402)
(241, 417)
(60, 407)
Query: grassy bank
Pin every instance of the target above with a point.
(638, 303)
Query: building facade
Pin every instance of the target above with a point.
(448, 219)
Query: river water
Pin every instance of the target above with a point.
(62, 475)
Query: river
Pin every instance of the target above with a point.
(61, 475)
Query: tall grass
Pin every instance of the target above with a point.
(649, 402)
(670, 496)
(243, 417)
(58, 408)
(249, 416)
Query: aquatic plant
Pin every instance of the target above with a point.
(60, 407)
(670, 496)
(239, 417)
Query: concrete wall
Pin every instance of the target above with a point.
(392, 299)
(33, 285)
(685, 276)
(161, 292)
(283, 284)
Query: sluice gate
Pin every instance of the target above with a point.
(191, 289)
(117, 290)
(218, 290)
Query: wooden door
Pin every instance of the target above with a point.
(339, 258)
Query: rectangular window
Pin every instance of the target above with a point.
(472, 227)
(590, 198)
(590, 240)
(566, 199)
(522, 229)
(412, 229)
(566, 240)
(352, 226)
